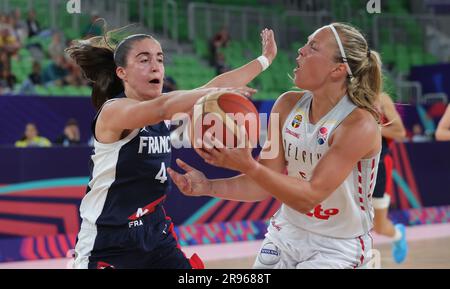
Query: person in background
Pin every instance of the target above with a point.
(169, 84)
(32, 24)
(32, 138)
(392, 129)
(418, 135)
(71, 135)
(57, 46)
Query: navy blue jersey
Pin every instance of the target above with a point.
(128, 177)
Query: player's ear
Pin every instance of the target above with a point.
(339, 71)
(121, 73)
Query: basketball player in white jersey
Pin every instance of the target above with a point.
(331, 143)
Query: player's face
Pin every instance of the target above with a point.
(315, 61)
(144, 72)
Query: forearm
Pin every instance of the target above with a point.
(238, 77)
(181, 101)
(392, 132)
(295, 193)
(239, 188)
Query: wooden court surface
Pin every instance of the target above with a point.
(426, 254)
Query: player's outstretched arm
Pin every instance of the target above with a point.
(243, 75)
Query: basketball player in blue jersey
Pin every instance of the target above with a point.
(330, 140)
(124, 224)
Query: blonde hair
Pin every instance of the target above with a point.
(365, 84)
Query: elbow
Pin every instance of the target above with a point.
(438, 135)
(305, 206)
(402, 134)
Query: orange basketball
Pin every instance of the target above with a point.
(222, 114)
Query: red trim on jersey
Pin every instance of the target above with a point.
(360, 191)
(361, 241)
(196, 262)
(389, 165)
(150, 209)
(104, 265)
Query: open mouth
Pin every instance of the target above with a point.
(155, 81)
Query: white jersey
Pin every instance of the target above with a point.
(347, 212)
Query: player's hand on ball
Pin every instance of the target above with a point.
(269, 46)
(245, 90)
(192, 183)
(216, 154)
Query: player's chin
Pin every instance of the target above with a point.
(154, 90)
(297, 80)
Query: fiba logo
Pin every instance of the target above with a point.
(73, 6)
(373, 6)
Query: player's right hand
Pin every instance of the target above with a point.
(192, 183)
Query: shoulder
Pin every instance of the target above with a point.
(115, 105)
(287, 100)
(362, 123)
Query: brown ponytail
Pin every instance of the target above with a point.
(98, 58)
(365, 86)
(98, 66)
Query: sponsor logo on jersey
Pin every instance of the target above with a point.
(154, 144)
(275, 225)
(297, 121)
(269, 254)
(321, 214)
(322, 135)
(294, 134)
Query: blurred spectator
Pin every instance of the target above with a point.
(19, 25)
(418, 135)
(71, 135)
(443, 129)
(169, 84)
(220, 65)
(8, 42)
(31, 138)
(220, 40)
(57, 46)
(32, 24)
(5, 60)
(56, 71)
(34, 78)
(36, 74)
(7, 81)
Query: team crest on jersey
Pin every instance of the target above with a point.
(297, 121)
(322, 135)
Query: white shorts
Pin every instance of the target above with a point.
(290, 247)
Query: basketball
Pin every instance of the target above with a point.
(222, 114)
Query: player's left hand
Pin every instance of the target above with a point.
(269, 45)
(238, 159)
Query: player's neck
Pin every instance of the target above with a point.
(324, 99)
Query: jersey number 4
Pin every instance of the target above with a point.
(162, 175)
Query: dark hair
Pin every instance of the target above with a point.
(98, 61)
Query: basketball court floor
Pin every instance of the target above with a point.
(429, 248)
